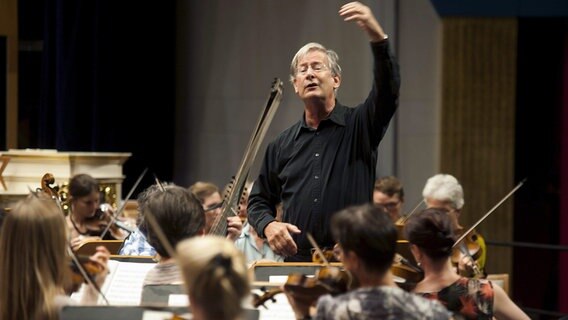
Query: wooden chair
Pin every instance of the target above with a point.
(500, 279)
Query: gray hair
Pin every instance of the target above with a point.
(332, 59)
(444, 187)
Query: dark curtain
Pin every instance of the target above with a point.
(563, 229)
(108, 81)
(538, 137)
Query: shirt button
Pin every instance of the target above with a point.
(317, 133)
(317, 154)
(316, 177)
(316, 200)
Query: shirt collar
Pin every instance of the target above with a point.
(336, 116)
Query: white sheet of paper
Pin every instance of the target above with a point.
(123, 285)
(279, 309)
(277, 279)
(178, 300)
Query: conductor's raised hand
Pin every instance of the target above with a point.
(360, 13)
(279, 238)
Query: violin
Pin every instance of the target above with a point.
(329, 255)
(103, 220)
(470, 250)
(406, 274)
(327, 280)
(91, 268)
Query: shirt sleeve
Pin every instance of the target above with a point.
(265, 194)
(379, 107)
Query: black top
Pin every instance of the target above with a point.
(316, 172)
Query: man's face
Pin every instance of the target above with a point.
(314, 79)
(392, 204)
(434, 203)
(210, 215)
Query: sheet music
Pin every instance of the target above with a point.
(280, 308)
(161, 315)
(178, 300)
(123, 285)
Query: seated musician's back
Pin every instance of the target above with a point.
(366, 238)
(216, 277)
(34, 265)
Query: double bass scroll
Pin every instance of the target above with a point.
(230, 206)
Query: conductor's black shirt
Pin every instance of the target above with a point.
(316, 172)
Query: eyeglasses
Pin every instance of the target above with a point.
(213, 207)
(390, 205)
(316, 67)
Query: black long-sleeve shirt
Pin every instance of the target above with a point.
(317, 172)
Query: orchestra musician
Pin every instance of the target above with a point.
(86, 220)
(251, 245)
(388, 193)
(208, 194)
(136, 243)
(179, 215)
(444, 191)
(431, 234)
(215, 275)
(366, 239)
(34, 265)
(326, 161)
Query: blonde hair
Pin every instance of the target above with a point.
(215, 275)
(33, 260)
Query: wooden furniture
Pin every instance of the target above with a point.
(89, 247)
(500, 279)
(26, 167)
(263, 270)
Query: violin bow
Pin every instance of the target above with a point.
(74, 258)
(460, 239)
(123, 205)
(318, 250)
(413, 211)
(85, 275)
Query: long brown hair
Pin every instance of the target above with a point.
(33, 260)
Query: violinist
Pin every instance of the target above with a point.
(136, 243)
(208, 194)
(431, 234)
(179, 215)
(34, 265)
(366, 239)
(388, 193)
(86, 220)
(216, 277)
(253, 247)
(444, 191)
